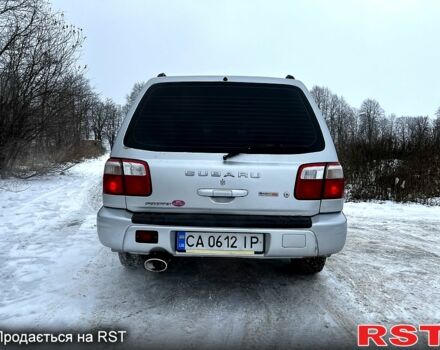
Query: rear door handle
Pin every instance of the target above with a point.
(221, 193)
(205, 192)
(213, 192)
(239, 193)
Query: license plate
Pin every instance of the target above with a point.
(219, 243)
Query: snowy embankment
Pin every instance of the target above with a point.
(47, 234)
(55, 275)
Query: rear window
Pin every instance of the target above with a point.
(224, 117)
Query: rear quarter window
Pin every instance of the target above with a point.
(224, 117)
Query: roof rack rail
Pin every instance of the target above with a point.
(161, 75)
(288, 76)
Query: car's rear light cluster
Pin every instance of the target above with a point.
(127, 177)
(319, 181)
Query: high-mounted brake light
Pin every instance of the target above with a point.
(127, 177)
(319, 181)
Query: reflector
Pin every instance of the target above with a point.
(146, 236)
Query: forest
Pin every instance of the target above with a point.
(49, 112)
(385, 157)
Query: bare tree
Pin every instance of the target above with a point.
(132, 96)
(339, 115)
(38, 55)
(113, 120)
(370, 115)
(98, 119)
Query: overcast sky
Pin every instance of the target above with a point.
(384, 49)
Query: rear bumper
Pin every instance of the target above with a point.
(325, 236)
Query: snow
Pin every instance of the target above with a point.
(47, 235)
(55, 275)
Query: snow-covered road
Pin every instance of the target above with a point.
(55, 275)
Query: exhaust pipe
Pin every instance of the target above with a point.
(156, 263)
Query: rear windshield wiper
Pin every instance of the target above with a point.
(230, 155)
(267, 148)
(236, 153)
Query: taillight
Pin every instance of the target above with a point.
(334, 182)
(137, 178)
(113, 182)
(319, 181)
(309, 181)
(127, 177)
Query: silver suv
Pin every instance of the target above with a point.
(226, 167)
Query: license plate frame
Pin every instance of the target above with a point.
(219, 243)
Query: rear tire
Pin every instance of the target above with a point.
(307, 266)
(130, 261)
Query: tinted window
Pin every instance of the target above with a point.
(224, 117)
